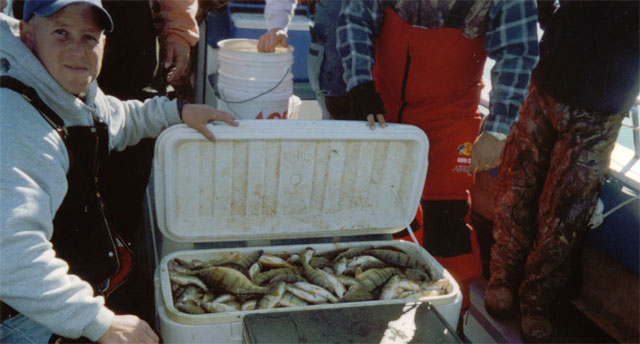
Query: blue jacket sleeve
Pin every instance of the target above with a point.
(358, 27)
(512, 41)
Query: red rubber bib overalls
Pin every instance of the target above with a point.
(431, 78)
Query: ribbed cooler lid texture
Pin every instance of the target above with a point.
(287, 179)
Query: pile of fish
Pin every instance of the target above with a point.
(256, 280)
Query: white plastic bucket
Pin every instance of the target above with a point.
(240, 58)
(253, 85)
(271, 105)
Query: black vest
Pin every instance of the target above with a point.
(589, 54)
(83, 233)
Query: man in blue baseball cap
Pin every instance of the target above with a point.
(63, 261)
(68, 38)
(45, 8)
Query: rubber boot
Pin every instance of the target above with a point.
(498, 300)
(536, 328)
(501, 288)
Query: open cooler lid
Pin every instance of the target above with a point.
(287, 179)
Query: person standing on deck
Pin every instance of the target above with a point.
(324, 64)
(555, 159)
(420, 62)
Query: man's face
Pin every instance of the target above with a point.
(69, 44)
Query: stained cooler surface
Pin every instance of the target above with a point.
(287, 179)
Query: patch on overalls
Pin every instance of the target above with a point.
(465, 149)
(463, 161)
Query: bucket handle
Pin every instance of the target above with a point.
(219, 92)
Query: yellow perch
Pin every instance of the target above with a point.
(273, 296)
(373, 278)
(231, 280)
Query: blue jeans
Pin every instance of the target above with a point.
(21, 329)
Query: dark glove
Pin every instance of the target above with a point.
(364, 101)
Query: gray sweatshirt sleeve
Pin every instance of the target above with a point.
(131, 121)
(33, 167)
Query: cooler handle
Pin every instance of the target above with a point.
(413, 236)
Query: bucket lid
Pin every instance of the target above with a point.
(287, 179)
(249, 47)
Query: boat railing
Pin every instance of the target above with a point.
(635, 126)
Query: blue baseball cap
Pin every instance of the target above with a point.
(45, 8)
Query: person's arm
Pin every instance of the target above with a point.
(358, 27)
(512, 41)
(130, 121)
(277, 14)
(180, 33)
(33, 167)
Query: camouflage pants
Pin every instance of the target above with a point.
(551, 172)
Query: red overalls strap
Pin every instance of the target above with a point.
(431, 78)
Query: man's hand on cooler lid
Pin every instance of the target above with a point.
(197, 116)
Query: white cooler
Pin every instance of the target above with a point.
(273, 180)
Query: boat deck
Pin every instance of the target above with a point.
(572, 326)
(583, 316)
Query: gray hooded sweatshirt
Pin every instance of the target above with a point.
(33, 167)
